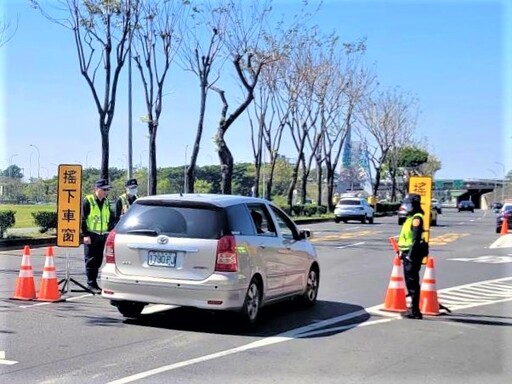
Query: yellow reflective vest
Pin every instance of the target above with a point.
(405, 238)
(98, 220)
(125, 203)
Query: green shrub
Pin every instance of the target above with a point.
(309, 209)
(7, 220)
(297, 210)
(45, 220)
(321, 209)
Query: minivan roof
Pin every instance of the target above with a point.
(210, 198)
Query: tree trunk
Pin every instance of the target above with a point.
(330, 188)
(152, 159)
(197, 143)
(319, 183)
(226, 163)
(105, 150)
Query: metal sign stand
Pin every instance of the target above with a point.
(66, 287)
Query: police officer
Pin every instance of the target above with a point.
(97, 220)
(411, 251)
(126, 199)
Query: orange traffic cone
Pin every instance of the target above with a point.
(429, 305)
(49, 288)
(25, 286)
(504, 226)
(395, 296)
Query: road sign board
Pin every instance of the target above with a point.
(422, 185)
(458, 184)
(439, 184)
(69, 207)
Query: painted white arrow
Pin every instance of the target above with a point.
(6, 362)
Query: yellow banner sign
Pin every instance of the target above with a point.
(69, 205)
(422, 185)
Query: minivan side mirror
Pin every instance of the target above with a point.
(305, 234)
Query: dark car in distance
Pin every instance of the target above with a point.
(466, 205)
(504, 214)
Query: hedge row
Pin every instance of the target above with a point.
(44, 220)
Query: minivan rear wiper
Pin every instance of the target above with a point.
(148, 232)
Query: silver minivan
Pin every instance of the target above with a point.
(215, 252)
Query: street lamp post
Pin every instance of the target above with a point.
(10, 164)
(495, 181)
(38, 159)
(503, 182)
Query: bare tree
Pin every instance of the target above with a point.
(387, 118)
(158, 36)
(102, 34)
(7, 31)
(351, 82)
(202, 55)
(245, 46)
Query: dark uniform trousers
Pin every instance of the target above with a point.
(412, 281)
(94, 257)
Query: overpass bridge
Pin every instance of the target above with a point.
(452, 191)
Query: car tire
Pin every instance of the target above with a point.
(252, 302)
(459, 210)
(130, 308)
(498, 229)
(363, 220)
(336, 220)
(308, 298)
(370, 220)
(434, 223)
(345, 221)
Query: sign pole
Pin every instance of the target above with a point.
(69, 212)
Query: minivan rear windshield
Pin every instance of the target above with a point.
(175, 221)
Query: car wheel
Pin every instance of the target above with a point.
(459, 210)
(363, 220)
(336, 220)
(498, 229)
(251, 308)
(308, 299)
(434, 222)
(345, 221)
(130, 308)
(370, 220)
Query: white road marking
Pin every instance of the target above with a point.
(488, 259)
(350, 245)
(452, 295)
(504, 241)
(6, 362)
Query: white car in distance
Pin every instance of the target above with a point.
(353, 208)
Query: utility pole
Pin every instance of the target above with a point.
(130, 146)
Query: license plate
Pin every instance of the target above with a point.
(162, 259)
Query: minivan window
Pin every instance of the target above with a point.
(239, 221)
(175, 221)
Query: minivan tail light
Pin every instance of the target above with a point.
(227, 258)
(110, 255)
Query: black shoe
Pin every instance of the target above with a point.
(413, 315)
(94, 289)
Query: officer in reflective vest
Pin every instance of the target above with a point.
(96, 222)
(409, 243)
(126, 200)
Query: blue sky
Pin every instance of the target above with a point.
(455, 56)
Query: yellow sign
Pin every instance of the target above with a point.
(69, 205)
(422, 185)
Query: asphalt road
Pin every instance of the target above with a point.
(345, 338)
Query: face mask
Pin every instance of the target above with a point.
(132, 191)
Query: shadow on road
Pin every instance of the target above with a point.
(274, 320)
